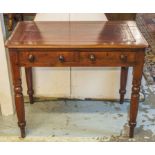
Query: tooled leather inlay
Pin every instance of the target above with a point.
(78, 33)
(119, 33)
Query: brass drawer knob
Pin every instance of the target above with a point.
(61, 58)
(92, 57)
(31, 58)
(123, 57)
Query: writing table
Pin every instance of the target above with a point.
(76, 44)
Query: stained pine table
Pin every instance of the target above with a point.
(74, 44)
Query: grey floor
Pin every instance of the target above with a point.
(72, 120)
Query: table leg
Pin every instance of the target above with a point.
(137, 75)
(123, 82)
(30, 92)
(19, 100)
(10, 21)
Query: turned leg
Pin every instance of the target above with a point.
(10, 21)
(123, 81)
(137, 75)
(30, 92)
(19, 101)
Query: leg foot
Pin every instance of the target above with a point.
(131, 131)
(22, 129)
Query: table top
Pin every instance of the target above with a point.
(110, 34)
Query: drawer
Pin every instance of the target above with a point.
(107, 57)
(76, 58)
(47, 58)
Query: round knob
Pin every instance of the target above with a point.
(31, 58)
(92, 57)
(61, 58)
(123, 57)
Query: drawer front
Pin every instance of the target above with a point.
(47, 58)
(111, 58)
(76, 58)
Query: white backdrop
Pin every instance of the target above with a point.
(6, 101)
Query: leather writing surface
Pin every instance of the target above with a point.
(75, 34)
